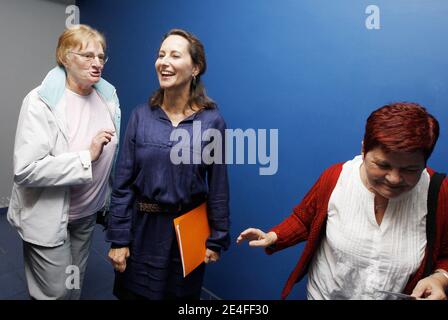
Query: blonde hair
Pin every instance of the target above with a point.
(77, 37)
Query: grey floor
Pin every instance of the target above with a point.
(99, 275)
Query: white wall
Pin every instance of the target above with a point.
(29, 31)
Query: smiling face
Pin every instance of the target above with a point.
(174, 65)
(393, 173)
(80, 71)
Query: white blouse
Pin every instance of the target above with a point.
(357, 257)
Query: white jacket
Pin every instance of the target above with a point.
(44, 170)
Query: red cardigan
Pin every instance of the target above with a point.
(307, 222)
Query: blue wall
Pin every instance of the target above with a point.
(309, 68)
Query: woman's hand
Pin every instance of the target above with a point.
(118, 258)
(431, 288)
(211, 256)
(257, 238)
(102, 138)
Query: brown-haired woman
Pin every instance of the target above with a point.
(365, 220)
(153, 187)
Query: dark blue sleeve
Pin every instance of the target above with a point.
(218, 198)
(122, 200)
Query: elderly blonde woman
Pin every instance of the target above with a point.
(65, 147)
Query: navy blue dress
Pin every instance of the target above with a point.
(145, 171)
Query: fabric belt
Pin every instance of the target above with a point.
(152, 207)
(148, 206)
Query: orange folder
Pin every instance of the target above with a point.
(192, 230)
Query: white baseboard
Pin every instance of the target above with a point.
(208, 295)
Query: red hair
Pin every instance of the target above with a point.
(401, 127)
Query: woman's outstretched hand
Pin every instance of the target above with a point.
(257, 238)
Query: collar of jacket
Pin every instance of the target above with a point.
(53, 87)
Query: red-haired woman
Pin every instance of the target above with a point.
(365, 220)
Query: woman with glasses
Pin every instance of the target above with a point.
(65, 146)
(152, 188)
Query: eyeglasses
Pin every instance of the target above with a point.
(90, 56)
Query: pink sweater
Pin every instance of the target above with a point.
(86, 116)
